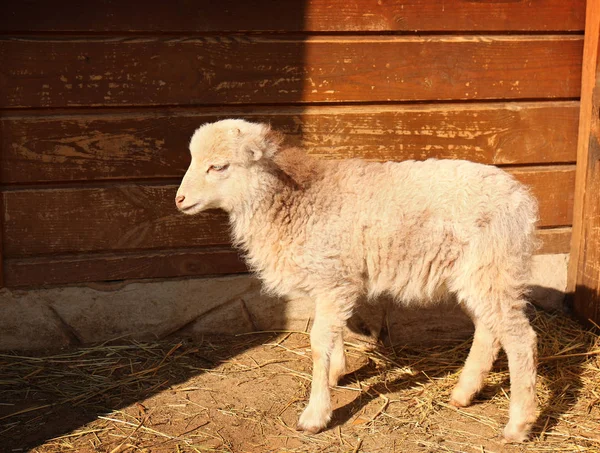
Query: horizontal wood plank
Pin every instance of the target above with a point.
(97, 267)
(254, 69)
(554, 240)
(313, 15)
(553, 186)
(140, 144)
(143, 216)
(123, 217)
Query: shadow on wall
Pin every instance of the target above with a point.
(46, 396)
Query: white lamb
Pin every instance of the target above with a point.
(335, 231)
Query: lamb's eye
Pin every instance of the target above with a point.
(218, 168)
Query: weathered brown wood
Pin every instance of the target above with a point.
(584, 267)
(1, 246)
(1, 212)
(95, 267)
(270, 15)
(252, 69)
(140, 144)
(143, 216)
(122, 217)
(553, 187)
(554, 240)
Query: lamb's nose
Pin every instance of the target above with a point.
(179, 199)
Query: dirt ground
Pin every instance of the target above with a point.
(244, 394)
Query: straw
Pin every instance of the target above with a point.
(394, 399)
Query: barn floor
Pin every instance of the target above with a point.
(244, 394)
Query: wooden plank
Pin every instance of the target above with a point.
(1, 210)
(57, 270)
(143, 216)
(141, 144)
(313, 15)
(554, 240)
(255, 69)
(94, 267)
(553, 187)
(123, 217)
(584, 268)
(2, 270)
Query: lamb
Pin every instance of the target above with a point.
(336, 231)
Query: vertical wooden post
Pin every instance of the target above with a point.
(584, 266)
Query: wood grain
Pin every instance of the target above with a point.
(553, 187)
(1, 215)
(584, 267)
(168, 263)
(57, 270)
(313, 15)
(554, 240)
(590, 67)
(122, 217)
(73, 71)
(143, 216)
(140, 144)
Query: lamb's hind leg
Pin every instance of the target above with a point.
(510, 325)
(519, 341)
(483, 353)
(324, 335)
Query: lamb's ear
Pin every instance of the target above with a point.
(265, 143)
(255, 152)
(273, 140)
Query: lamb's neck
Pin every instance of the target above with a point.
(261, 217)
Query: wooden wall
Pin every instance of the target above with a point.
(98, 101)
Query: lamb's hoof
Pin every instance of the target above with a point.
(311, 421)
(336, 373)
(334, 380)
(459, 399)
(456, 404)
(307, 429)
(514, 434)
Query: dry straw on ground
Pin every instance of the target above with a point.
(244, 393)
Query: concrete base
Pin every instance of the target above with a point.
(75, 315)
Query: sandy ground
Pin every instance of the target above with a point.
(244, 394)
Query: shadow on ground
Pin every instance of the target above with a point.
(43, 397)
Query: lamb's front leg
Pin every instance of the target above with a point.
(326, 331)
(337, 362)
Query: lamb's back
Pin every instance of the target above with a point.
(460, 192)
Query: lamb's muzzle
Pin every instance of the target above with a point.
(179, 200)
(337, 231)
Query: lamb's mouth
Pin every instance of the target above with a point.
(188, 209)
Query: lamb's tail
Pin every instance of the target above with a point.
(497, 263)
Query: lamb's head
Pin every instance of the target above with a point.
(227, 159)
